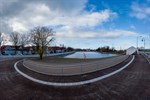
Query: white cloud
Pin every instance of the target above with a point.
(5, 27)
(68, 17)
(41, 14)
(70, 26)
(140, 11)
(21, 13)
(95, 34)
(132, 27)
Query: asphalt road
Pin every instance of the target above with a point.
(133, 83)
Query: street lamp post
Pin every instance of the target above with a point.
(143, 39)
(137, 40)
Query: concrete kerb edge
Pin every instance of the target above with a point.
(71, 83)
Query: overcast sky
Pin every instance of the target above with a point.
(81, 23)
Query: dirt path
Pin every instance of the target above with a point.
(133, 83)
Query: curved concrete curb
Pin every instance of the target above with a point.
(71, 83)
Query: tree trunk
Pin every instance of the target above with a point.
(41, 56)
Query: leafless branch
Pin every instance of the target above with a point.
(42, 37)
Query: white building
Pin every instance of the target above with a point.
(132, 50)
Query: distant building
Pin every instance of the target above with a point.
(19, 50)
(28, 50)
(9, 50)
(55, 49)
(132, 50)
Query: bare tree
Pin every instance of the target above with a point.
(24, 40)
(15, 39)
(41, 37)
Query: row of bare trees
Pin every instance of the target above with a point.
(20, 39)
(40, 37)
